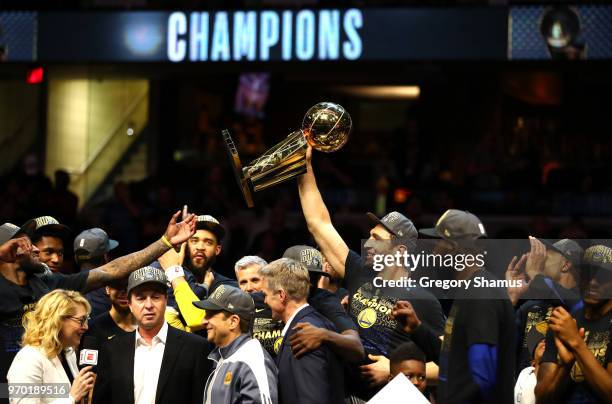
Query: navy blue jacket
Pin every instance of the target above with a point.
(317, 377)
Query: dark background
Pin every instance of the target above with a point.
(524, 145)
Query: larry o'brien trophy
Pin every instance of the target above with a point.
(326, 127)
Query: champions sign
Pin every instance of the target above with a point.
(282, 35)
(263, 36)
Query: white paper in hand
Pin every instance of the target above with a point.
(399, 390)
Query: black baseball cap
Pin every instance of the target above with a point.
(45, 226)
(457, 224)
(231, 299)
(310, 257)
(147, 275)
(397, 224)
(207, 222)
(8, 231)
(566, 247)
(92, 243)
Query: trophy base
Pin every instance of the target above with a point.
(243, 183)
(282, 162)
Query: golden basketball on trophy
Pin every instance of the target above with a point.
(326, 127)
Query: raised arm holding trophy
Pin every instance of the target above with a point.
(326, 127)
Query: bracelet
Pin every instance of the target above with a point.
(166, 242)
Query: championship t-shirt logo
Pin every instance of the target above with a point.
(367, 318)
(597, 344)
(277, 344)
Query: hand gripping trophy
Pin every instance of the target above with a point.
(325, 127)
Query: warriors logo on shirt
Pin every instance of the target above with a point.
(228, 378)
(277, 344)
(370, 309)
(367, 318)
(267, 331)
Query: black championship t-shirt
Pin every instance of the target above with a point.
(479, 315)
(17, 300)
(535, 313)
(370, 308)
(268, 331)
(104, 328)
(598, 337)
(265, 329)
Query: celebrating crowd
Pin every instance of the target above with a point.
(309, 327)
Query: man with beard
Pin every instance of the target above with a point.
(119, 319)
(577, 362)
(195, 262)
(20, 288)
(369, 306)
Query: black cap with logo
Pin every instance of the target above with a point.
(397, 224)
(92, 244)
(310, 257)
(207, 222)
(147, 275)
(231, 299)
(457, 224)
(45, 226)
(568, 248)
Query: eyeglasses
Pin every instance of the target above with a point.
(415, 378)
(80, 320)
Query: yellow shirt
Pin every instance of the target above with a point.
(193, 316)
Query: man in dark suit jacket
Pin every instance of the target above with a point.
(316, 377)
(156, 363)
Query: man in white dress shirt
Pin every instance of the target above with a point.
(155, 364)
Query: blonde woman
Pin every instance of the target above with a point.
(53, 331)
